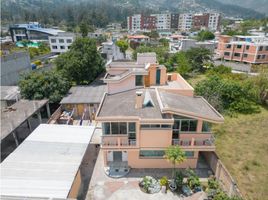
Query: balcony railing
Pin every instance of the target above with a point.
(194, 142)
(118, 142)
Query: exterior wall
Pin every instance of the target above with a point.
(152, 74)
(126, 84)
(155, 138)
(185, 22)
(57, 47)
(75, 186)
(12, 66)
(163, 77)
(135, 161)
(200, 21)
(115, 71)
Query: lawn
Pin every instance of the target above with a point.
(242, 145)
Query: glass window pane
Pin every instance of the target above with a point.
(106, 128)
(139, 80)
(145, 126)
(115, 128)
(184, 125)
(123, 128)
(155, 126)
(189, 154)
(193, 125)
(176, 125)
(152, 153)
(165, 126)
(132, 127)
(206, 127)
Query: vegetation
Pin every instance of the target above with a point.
(192, 180)
(175, 155)
(164, 181)
(179, 178)
(123, 46)
(84, 29)
(205, 35)
(152, 34)
(164, 42)
(82, 63)
(50, 85)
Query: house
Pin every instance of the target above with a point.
(110, 51)
(138, 38)
(247, 49)
(9, 95)
(31, 31)
(62, 42)
(146, 110)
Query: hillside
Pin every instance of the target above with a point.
(101, 12)
(259, 5)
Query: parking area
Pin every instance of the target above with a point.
(102, 187)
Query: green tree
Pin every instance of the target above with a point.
(50, 85)
(205, 35)
(84, 29)
(164, 42)
(82, 63)
(198, 57)
(152, 34)
(181, 62)
(123, 45)
(175, 155)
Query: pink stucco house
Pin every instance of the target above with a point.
(146, 110)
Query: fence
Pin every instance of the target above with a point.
(222, 174)
(55, 116)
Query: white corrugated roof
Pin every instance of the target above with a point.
(46, 163)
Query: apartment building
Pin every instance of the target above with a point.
(62, 42)
(146, 110)
(247, 49)
(148, 22)
(134, 22)
(163, 21)
(200, 21)
(185, 22)
(174, 21)
(214, 21)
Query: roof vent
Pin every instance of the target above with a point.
(148, 101)
(139, 99)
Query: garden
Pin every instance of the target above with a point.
(183, 183)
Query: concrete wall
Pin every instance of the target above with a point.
(75, 186)
(124, 85)
(12, 66)
(155, 138)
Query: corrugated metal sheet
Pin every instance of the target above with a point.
(46, 163)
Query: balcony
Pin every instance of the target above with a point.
(196, 143)
(118, 142)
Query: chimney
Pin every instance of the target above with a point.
(139, 99)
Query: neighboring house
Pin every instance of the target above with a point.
(62, 42)
(247, 49)
(31, 31)
(110, 51)
(12, 66)
(186, 44)
(138, 38)
(146, 110)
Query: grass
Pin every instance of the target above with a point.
(242, 145)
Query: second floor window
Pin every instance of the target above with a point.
(61, 40)
(119, 128)
(53, 40)
(139, 80)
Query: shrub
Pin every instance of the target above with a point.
(193, 180)
(37, 62)
(164, 181)
(179, 178)
(146, 183)
(213, 183)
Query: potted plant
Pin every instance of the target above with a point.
(179, 179)
(164, 183)
(193, 181)
(175, 155)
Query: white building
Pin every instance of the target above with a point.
(185, 21)
(163, 21)
(61, 42)
(214, 21)
(134, 22)
(111, 52)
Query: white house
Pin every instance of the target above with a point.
(61, 42)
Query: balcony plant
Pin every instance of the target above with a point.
(175, 155)
(164, 183)
(193, 180)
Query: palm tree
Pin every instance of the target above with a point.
(175, 155)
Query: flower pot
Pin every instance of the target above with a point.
(172, 185)
(164, 189)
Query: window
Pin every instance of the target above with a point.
(53, 40)
(266, 48)
(263, 57)
(239, 46)
(228, 46)
(261, 48)
(69, 47)
(152, 153)
(139, 80)
(193, 125)
(106, 128)
(54, 47)
(245, 55)
(69, 40)
(62, 47)
(247, 47)
(206, 127)
(189, 154)
(184, 124)
(61, 40)
(155, 126)
(227, 53)
(259, 57)
(115, 128)
(237, 54)
(132, 130)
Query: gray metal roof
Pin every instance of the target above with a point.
(46, 163)
(85, 94)
(194, 106)
(20, 112)
(123, 104)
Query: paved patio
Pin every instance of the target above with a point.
(102, 187)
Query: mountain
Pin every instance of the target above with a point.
(257, 5)
(101, 12)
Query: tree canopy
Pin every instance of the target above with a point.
(50, 85)
(123, 45)
(82, 63)
(84, 29)
(205, 35)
